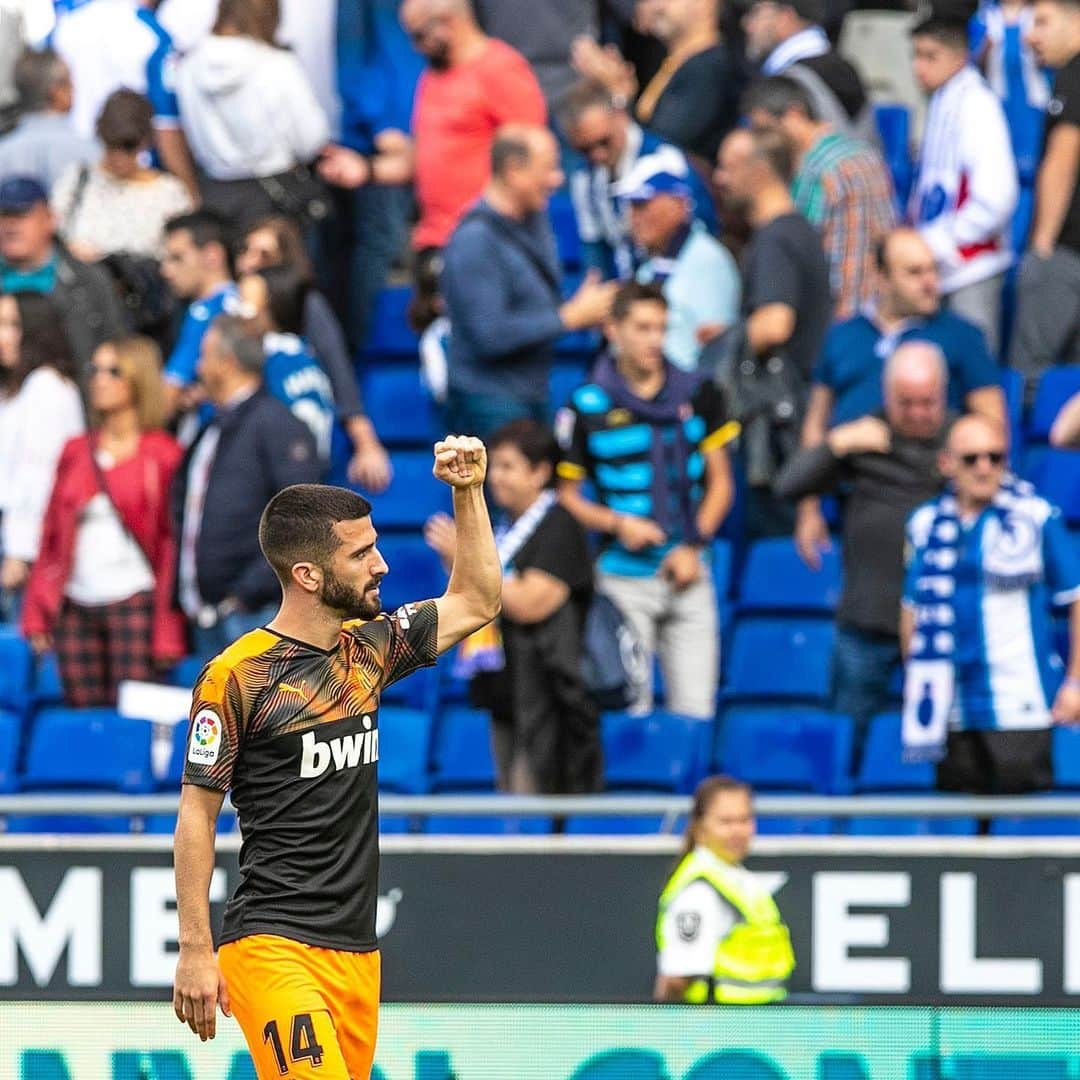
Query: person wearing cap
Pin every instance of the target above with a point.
(32, 259)
(842, 186)
(600, 128)
(696, 272)
(966, 190)
(786, 38)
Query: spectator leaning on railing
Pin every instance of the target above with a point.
(886, 464)
(983, 680)
(101, 589)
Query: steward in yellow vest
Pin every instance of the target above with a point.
(719, 935)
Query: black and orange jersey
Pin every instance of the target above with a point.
(292, 732)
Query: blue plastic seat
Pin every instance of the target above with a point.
(883, 767)
(1066, 756)
(395, 824)
(1056, 386)
(629, 825)
(10, 733)
(462, 755)
(48, 689)
(1035, 826)
(564, 224)
(912, 826)
(660, 752)
(1056, 476)
(165, 824)
(565, 379)
(776, 579)
(1012, 385)
(88, 748)
(413, 495)
(185, 672)
(777, 658)
(402, 408)
(390, 335)
(488, 825)
(415, 570)
(16, 669)
(722, 556)
(404, 749)
(81, 824)
(788, 749)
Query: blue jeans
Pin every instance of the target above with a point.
(862, 666)
(209, 641)
(482, 414)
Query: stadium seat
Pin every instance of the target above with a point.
(185, 672)
(780, 659)
(16, 669)
(415, 570)
(1056, 386)
(395, 395)
(467, 825)
(626, 825)
(722, 558)
(1012, 384)
(404, 749)
(788, 749)
(10, 730)
(395, 824)
(165, 824)
(390, 335)
(661, 752)
(175, 773)
(462, 756)
(66, 823)
(413, 495)
(1066, 755)
(912, 826)
(88, 748)
(1056, 476)
(564, 224)
(1035, 826)
(565, 379)
(883, 767)
(776, 579)
(795, 826)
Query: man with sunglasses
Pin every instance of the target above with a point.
(986, 561)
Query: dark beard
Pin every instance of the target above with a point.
(348, 602)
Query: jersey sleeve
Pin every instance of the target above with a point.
(697, 920)
(1061, 560)
(161, 86)
(401, 643)
(182, 366)
(215, 730)
(710, 403)
(573, 444)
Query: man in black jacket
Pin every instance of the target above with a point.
(252, 448)
(32, 259)
(888, 464)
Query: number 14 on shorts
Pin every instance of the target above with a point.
(303, 1045)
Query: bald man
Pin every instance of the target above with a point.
(888, 463)
(847, 379)
(501, 284)
(984, 681)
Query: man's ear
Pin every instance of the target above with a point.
(307, 576)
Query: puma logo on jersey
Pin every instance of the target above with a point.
(346, 752)
(286, 688)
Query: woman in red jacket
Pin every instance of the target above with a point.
(101, 589)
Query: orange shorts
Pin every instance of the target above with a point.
(305, 1012)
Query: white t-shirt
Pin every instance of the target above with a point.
(109, 565)
(695, 923)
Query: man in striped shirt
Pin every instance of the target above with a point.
(842, 186)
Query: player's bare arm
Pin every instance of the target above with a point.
(472, 597)
(198, 986)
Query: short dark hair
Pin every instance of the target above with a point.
(579, 99)
(775, 150)
(508, 150)
(297, 525)
(775, 95)
(258, 19)
(240, 339)
(535, 441)
(635, 292)
(290, 241)
(206, 227)
(37, 71)
(126, 120)
(287, 289)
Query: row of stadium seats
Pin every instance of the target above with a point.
(795, 750)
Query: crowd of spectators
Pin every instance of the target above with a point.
(200, 204)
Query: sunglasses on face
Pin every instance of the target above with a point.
(995, 457)
(104, 369)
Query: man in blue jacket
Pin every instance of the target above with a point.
(502, 285)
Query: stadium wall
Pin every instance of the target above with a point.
(939, 922)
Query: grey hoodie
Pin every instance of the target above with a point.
(248, 109)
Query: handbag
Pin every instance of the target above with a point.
(299, 194)
(614, 664)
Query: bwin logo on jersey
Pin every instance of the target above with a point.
(347, 752)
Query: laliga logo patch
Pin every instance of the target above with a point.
(205, 738)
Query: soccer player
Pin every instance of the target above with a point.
(287, 720)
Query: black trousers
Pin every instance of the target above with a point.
(996, 762)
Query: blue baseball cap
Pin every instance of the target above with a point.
(652, 175)
(18, 194)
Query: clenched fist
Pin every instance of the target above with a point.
(460, 461)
